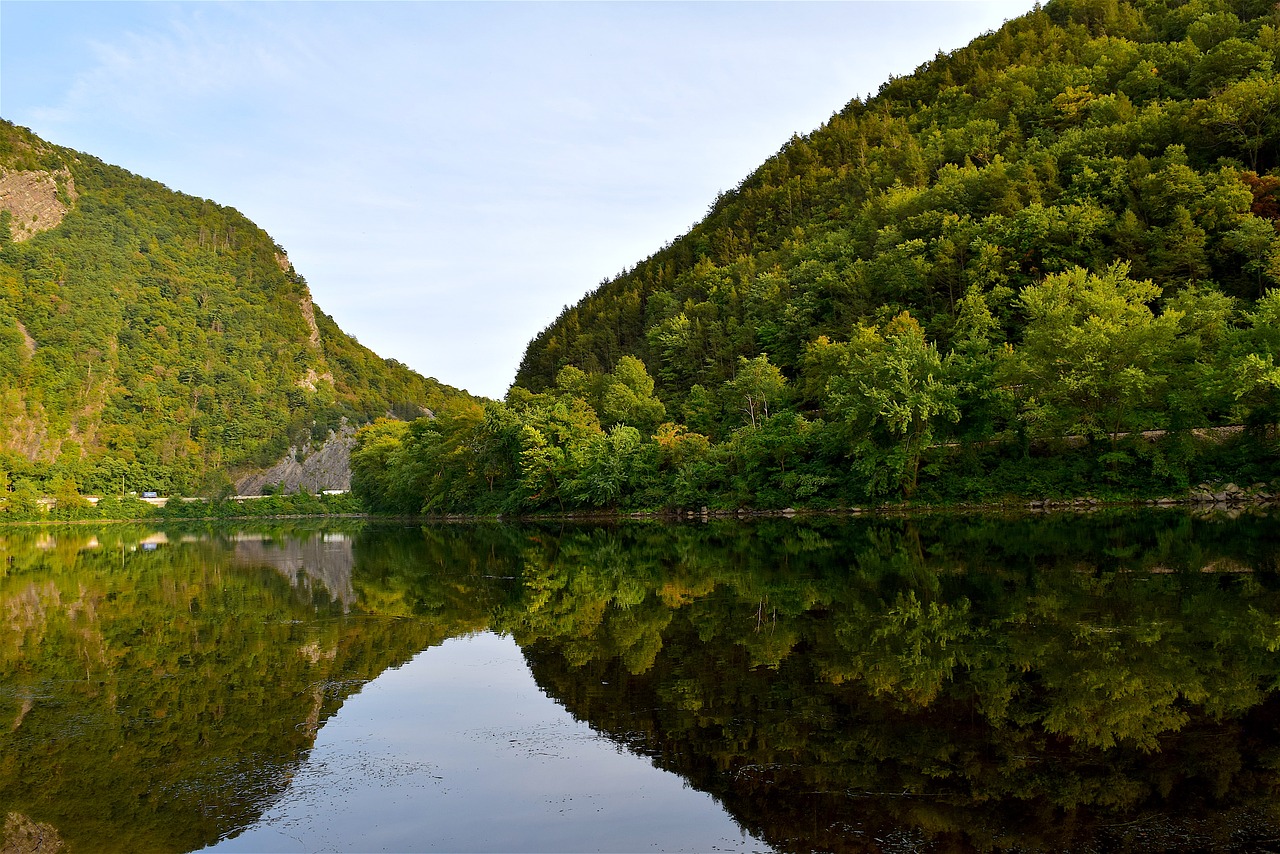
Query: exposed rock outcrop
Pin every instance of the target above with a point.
(33, 200)
(309, 469)
(28, 343)
(312, 379)
(309, 315)
(23, 835)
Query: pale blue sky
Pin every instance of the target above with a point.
(447, 176)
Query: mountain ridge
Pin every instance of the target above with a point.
(152, 340)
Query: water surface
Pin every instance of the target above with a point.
(459, 750)
(1090, 683)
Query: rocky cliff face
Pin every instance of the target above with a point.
(308, 469)
(36, 201)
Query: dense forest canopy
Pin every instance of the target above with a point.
(150, 340)
(989, 279)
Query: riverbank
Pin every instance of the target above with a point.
(1225, 498)
(1228, 498)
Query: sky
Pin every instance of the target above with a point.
(449, 176)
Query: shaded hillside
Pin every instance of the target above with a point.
(1042, 265)
(153, 340)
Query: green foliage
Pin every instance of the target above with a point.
(1043, 264)
(892, 394)
(277, 505)
(756, 384)
(1093, 354)
(628, 397)
(168, 337)
(1078, 214)
(371, 463)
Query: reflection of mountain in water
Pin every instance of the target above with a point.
(157, 699)
(923, 685)
(323, 561)
(1102, 683)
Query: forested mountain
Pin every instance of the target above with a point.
(150, 340)
(988, 279)
(1083, 135)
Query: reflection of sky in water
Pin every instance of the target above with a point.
(459, 750)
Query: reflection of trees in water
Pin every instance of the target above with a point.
(1104, 684)
(159, 699)
(978, 683)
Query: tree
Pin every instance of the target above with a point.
(678, 447)
(977, 353)
(702, 411)
(24, 500)
(756, 386)
(1256, 377)
(217, 486)
(892, 398)
(1254, 241)
(608, 467)
(371, 463)
(1094, 357)
(1198, 392)
(573, 381)
(628, 397)
(456, 479)
(551, 435)
(66, 494)
(1258, 386)
(1244, 116)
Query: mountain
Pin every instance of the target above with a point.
(1044, 264)
(151, 340)
(1083, 134)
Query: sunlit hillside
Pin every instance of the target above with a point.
(1043, 264)
(150, 340)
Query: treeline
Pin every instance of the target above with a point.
(299, 503)
(157, 341)
(987, 280)
(886, 415)
(24, 504)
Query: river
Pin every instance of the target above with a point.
(1094, 682)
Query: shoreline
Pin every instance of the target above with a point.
(1226, 499)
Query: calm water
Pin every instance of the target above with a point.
(1095, 683)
